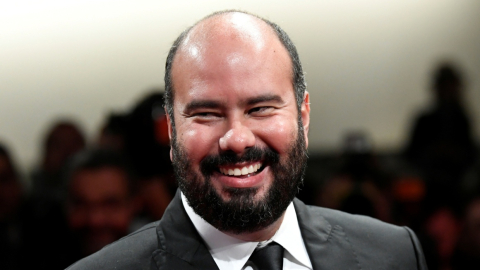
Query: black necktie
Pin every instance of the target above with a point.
(268, 258)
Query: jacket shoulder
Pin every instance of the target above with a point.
(133, 251)
(371, 240)
(363, 226)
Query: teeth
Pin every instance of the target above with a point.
(241, 171)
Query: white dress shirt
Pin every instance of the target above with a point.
(231, 253)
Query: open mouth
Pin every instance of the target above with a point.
(244, 170)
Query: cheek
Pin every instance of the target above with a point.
(198, 141)
(278, 134)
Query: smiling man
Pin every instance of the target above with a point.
(239, 136)
(238, 117)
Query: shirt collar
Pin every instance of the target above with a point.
(290, 237)
(232, 253)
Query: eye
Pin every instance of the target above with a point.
(261, 110)
(203, 116)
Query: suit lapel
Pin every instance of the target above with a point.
(327, 246)
(180, 245)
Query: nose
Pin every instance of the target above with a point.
(237, 139)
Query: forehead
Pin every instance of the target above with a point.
(230, 46)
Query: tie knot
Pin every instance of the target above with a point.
(269, 257)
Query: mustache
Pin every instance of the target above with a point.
(211, 163)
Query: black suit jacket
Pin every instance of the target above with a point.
(334, 240)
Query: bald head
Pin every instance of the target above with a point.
(237, 27)
(222, 30)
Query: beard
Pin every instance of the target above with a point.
(242, 213)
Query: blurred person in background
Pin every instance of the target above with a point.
(142, 136)
(100, 202)
(467, 252)
(441, 145)
(62, 141)
(47, 229)
(148, 147)
(439, 235)
(30, 236)
(358, 184)
(11, 195)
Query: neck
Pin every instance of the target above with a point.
(260, 235)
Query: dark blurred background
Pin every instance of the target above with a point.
(84, 149)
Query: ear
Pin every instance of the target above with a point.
(305, 111)
(170, 130)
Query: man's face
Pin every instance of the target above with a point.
(100, 209)
(237, 149)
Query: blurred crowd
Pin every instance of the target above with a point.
(431, 186)
(85, 195)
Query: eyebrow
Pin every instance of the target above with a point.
(264, 98)
(202, 104)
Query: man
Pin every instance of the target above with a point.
(100, 205)
(21, 220)
(238, 117)
(61, 142)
